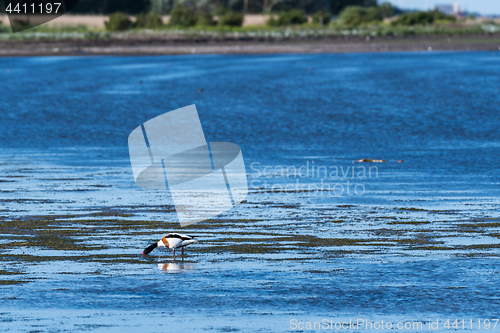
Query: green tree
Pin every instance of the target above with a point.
(386, 9)
(206, 19)
(118, 22)
(183, 15)
(231, 18)
(357, 15)
(308, 6)
(148, 21)
(162, 7)
(294, 16)
(111, 6)
(422, 18)
(321, 17)
(337, 6)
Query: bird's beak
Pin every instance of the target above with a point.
(150, 248)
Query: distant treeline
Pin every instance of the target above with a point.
(164, 7)
(111, 6)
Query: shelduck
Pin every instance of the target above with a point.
(172, 241)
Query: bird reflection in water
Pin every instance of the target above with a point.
(175, 268)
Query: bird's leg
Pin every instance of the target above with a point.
(182, 251)
(174, 253)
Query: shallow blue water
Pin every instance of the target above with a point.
(436, 111)
(70, 117)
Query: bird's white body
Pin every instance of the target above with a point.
(175, 241)
(172, 241)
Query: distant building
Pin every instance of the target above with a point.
(445, 9)
(453, 9)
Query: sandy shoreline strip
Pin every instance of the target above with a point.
(173, 47)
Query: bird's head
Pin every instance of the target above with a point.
(161, 243)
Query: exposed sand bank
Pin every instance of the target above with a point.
(174, 45)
